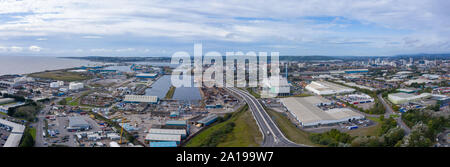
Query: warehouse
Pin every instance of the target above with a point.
(76, 86)
(278, 86)
(181, 123)
(402, 98)
(141, 99)
(6, 100)
(181, 132)
(353, 71)
(163, 144)
(306, 110)
(151, 137)
(327, 88)
(78, 123)
(207, 120)
(357, 98)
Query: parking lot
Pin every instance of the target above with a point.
(4, 133)
(59, 135)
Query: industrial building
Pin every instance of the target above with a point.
(78, 123)
(408, 90)
(16, 133)
(181, 132)
(207, 120)
(76, 86)
(352, 71)
(401, 98)
(306, 110)
(146, 75)
(56, 84)
(152, 137)
(327, 88)
(357, 98)
(6, 100)
(181, 123)
(141, 99)
(163, 144)
(278, 86)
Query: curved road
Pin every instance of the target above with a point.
(272, 135)
(390, 111)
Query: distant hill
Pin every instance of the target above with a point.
(282, 58)
(425, 55)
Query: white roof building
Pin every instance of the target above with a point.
(181, 132)
(307, 112)
(56, 84)
(16, 133)
(163, 137)
(76, 86)
(327, 88)
(114, 144)
(401, 98)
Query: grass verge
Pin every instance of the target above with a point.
(289, 130)
(244, 132)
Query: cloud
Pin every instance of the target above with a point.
(15, 49)
(313, 23)
(35, 48)
(92, 37)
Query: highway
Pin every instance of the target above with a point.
(272, 135)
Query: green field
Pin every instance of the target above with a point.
(33, 133)
(61, 75)
(289, 129)
(244, 134)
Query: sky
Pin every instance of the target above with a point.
(161, 28)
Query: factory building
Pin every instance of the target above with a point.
(357, 98)
(408, 90)
(76, 86)
(163, 144)
(353, 71)
(140, 99)
(181, 123)
(207, 120)
(6, 100)
(78, 123)
(443, 99)
(401, 98)
(16, 133)
(152, 137)
(56, 84)
(181, 132)
(307, 111)
(327, 88)
(278, 86)
(146, 75)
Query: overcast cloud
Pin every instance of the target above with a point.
(159, 28)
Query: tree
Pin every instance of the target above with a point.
(27, 140)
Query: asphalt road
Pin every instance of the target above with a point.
(272, 135)
(390, 111)
(40, 128)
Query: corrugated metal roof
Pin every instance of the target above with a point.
(208, 118)
(163, 144)
(167, 131)
(163, 137)
(77, 121)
